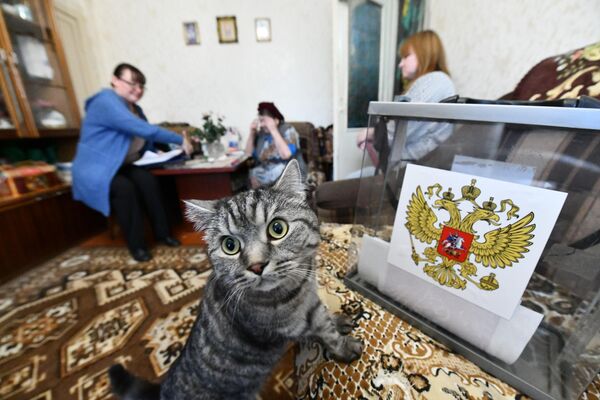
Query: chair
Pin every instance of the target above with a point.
(315, 145)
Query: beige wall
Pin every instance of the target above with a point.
(293, 70)
(491, 44)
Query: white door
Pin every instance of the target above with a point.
(70, 22)
(364, 35)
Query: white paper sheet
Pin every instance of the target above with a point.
(436, 223)
(503, 171)
(35, 57)
(151, 157)
(502, 338)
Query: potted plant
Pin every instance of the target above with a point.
(209, 134)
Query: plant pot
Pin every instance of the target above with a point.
(215, 149)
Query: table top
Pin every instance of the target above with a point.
(199, 167)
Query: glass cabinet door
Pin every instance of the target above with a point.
(36, 63)
(11, 117)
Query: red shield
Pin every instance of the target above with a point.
(454, 244)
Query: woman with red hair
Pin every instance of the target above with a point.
(427, 80)
(424, 69)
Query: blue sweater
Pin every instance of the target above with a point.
(106, 133)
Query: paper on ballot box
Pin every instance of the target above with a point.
(477, 238)
(502, 338)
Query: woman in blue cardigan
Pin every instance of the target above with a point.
(114, 134)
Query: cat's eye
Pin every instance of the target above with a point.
(230, 245)
(277, 229)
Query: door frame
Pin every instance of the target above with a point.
(346, 156)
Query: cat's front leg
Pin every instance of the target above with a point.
(326, 328)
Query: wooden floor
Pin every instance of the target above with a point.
(186, 238)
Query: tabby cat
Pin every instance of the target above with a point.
(260, 296)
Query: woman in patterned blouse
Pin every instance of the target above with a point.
(272, 143)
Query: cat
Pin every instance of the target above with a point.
(261, 295)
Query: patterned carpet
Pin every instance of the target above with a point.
(63, 324)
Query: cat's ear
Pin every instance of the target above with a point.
(290, 179)
(200, 212)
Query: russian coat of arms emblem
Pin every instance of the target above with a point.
(461, 245)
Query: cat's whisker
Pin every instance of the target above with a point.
(300, 276)
(298, 273)
(297, 277)
(237, 303)
(227, 300)
(319, 274)
(235, 284)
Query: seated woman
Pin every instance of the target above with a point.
(423, 65)
(272, 143)
(114, 134)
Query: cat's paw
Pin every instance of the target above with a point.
(343, 323)
(351, 350)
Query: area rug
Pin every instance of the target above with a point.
(63, 324)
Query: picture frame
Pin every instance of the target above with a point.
(191, 34)
(262, 27)
(227, 29)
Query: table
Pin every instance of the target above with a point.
(197, 180)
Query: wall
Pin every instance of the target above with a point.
(491, 44)
(293, 70)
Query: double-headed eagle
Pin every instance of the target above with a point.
(455, 239)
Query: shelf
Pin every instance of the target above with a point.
(42, 82)
(58, 132)
(10, 133)
(26, 198)
(17, 25)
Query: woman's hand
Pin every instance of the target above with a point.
(365, 136)
(269, 123)
(281, 144)
(187, 146)
(254, 126)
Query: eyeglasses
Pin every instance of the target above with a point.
(138, 85)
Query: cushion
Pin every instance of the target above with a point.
(569, 75)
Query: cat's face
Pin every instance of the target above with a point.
(258, 238)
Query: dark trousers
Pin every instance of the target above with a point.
(132, 190)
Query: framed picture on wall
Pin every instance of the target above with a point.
(263, 29)
(227, 29)
(191, 35)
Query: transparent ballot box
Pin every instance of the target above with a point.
(482, 229)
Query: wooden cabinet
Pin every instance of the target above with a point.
(40, 226)
(38, 111)
(37, 98)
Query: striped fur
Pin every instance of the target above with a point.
(247, 318)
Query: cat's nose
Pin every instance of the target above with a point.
(257, 268)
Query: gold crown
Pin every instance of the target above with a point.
(489, 282)
(489, 205)
(470, 192)
(448, 195)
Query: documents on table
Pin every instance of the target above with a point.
(151, 157)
